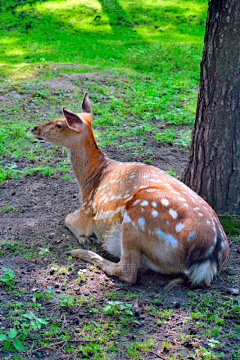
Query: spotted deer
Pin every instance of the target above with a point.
(138, 213)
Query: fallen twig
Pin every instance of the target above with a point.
(48, 346)
(158, 355)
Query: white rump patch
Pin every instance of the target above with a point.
(204, 272)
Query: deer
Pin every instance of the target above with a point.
(136, 212)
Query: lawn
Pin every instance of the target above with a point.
(140, 63)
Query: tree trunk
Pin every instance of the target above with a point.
(213, 169)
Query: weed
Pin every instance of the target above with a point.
(8, 277)
(43, 251)
(66, 300)
(7, 208)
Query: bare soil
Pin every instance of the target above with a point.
(40, 205)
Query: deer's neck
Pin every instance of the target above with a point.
(87, 161)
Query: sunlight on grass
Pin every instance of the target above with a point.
(114, 34)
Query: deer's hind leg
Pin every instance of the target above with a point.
(126, 268)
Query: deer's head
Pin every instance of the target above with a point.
(68, 129)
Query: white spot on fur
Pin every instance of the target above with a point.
(90, 194)
(173, 213)
(191, 235)
(119, 197)
(154, 204)
(141, 223)
(200, 214)
(208, 222)
(179, 227)
(165, 202)
(185, 204)
(136, 202)
(181, 198)
(126, 195)
(196, 208)
(209, 251)
(90, 203)
(154, 213)
(87, 211)
(127, 219)
(167, 237)
(144, 203)
(128, 199)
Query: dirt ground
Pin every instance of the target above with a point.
(40, 204)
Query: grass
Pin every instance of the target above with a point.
(139, 62)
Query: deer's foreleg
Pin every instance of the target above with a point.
(81, 226)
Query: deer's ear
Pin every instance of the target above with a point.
(74, 122)
(86, 105)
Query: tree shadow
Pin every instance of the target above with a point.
(117, 16)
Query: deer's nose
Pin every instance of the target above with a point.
(34, 129)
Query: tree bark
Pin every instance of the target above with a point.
(213, 169)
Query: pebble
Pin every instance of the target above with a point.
(233, 291)
(51, 235)
(136, 311)
(56, 286)
(238, 251)
(176, 304)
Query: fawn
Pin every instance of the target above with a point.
(139, 213)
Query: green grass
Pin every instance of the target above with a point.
(138, 60)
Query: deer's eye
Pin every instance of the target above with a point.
(58, 126)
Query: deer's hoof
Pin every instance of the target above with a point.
(69, 253)
(86, 243)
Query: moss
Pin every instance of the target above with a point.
(231, 224)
